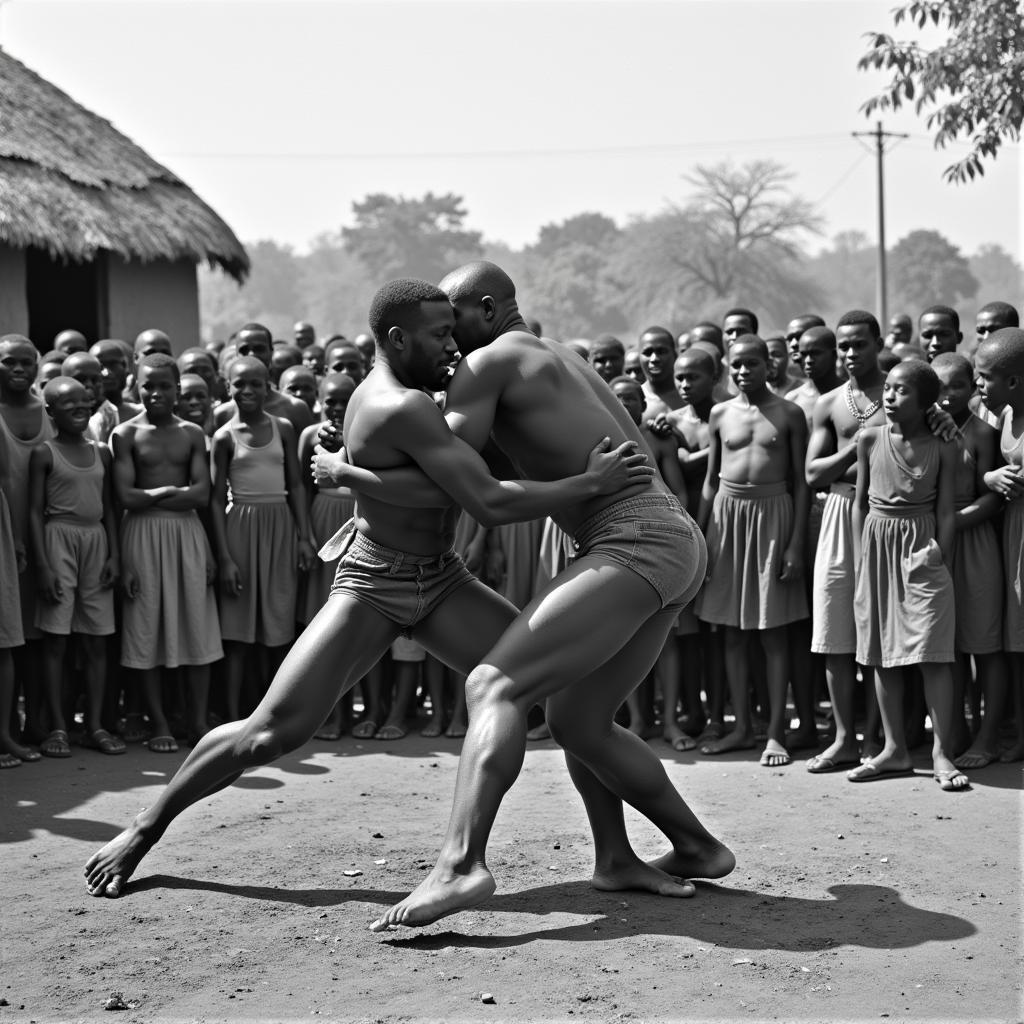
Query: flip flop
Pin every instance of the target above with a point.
(869, 772)
(390, 732)
(104, 742)
(974, 759)
(775, 758)
(364, 730)
(9, 761)
(819, 765)
(56, 744)
(952, 782)
(134, 730)
(162, 744)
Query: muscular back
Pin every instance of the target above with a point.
(547, 409)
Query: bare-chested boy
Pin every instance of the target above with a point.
(161, 479)
(794, 331)
(24, 424)
(543, 407)
(255, 340)
(755, 499)
(398, 572)
(657, 355)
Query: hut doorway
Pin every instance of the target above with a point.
(63, 295)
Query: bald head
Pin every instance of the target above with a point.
(697, 356)
(1004, 352)
(70, 341)
(59, 387)
(472, 281)
(150, 342)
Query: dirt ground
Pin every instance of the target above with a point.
(885, 901)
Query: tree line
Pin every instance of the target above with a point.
(742, 238)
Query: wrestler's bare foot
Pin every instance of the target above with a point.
(441, 893)
(710, 859)
(641, 877)
(736, 740)
(107, 871)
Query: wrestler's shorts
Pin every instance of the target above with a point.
(403, 587)
(653, 535)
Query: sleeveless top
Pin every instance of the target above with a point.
(19, 451)
(256, 473)
(73, 493)
(897, 488)
(1014, 454)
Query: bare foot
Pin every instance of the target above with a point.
(456, 730)
(708, 860)
(17, 750)
(642, 877)
(107, 871)
(441, 893)
(678, 740)
(433, 728)
(736, 740)
(974, 758)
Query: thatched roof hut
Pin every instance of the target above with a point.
(74, 188)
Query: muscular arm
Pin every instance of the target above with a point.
(417, 428)
(826, 461)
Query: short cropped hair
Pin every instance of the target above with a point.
(820, 333)
(160, 361)
(660, 332)
(752, 341)
(700, 355)
(947, 311)
(628, 381)
(922, 378)
(1007, 314)
(608, 341)
(957, 362)
(396, 301)
(861, 316)
(740, 311)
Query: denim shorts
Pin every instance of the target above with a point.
(653, 535)
(404, 588)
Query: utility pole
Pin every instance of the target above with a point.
(879, 135)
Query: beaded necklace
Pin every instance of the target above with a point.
(855, 412)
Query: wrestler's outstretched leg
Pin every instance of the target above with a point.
(551, 644)
(336, 649)
(582, 718)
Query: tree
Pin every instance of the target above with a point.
(270, 294)
(564, 277)
(845, 274)
(927, 269)
(336, 288)
(999, 275)
(739, 239)
(399, 237)
(974, 80)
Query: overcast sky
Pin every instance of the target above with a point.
(282, 114)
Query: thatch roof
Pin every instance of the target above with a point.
(72, 184)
